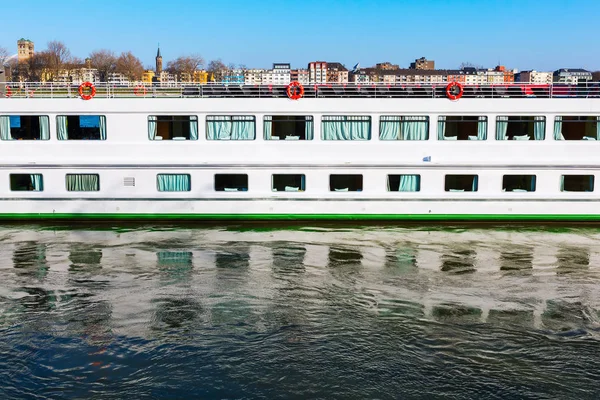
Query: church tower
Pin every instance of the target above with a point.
(159, 65)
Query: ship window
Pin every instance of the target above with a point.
(83, 182)
(518, 183)
(24, 127)
(393, 127)
(81, 127)
(289, 183)
(26, 182)
(577, 128)
(345, 183)
(339, 127)
(231, 182)
(173, 127)
(520, 128)
(230, 127)
(462, 128)
(577, 183)
(173, 182)
(288, 127)
(404, 183)
(461, 183)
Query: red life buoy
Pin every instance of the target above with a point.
(140, 90)
(454, 90)
(295, 90)
(90, 93)
(8, 91)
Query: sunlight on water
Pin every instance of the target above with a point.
(375, 311)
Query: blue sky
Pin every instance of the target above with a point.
(525, 34)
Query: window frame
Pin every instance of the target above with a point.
(81, 174)
(301, 188)
(233, 118)
(460, 119)
(333, 190)
(309, 119)
(20, 123)
(533, 181)
(189, 177)
(191, 118)
(247, 186)
(365, 118)
(450, 190)
(520, 119)
(402, 121)
(100, 117)
(10, 182)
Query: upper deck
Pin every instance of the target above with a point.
(330, 90)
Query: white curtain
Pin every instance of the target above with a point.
(441, 127)
(5, 128)
(61, 127)
(501, 128)
(36, 182)
(482, 128)
(268, 124)
(193, 127)
(102, 126)
(539, 128)
(409, 183)
(44, 128)
(346, 127)
(152, 127)
(558, 129)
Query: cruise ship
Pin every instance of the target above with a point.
(334, 152)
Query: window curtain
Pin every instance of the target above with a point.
(174, 183)
(539, 128)
(346, 128)
(44, 128)
(308, 133)
(409, 183)
(193, 127)
(83, 183)
(5, 128)
(218, 129)
(442, 128)
(597, 128)
(558, 129)
(152, 127)
(532, 184)
(242, 128)
(61, 127)
(102, 126)
(562, 183)
(231, 128)
(475, 183)
(414, 128)
(482, 128)
(36, 182)
(501, 128)
(389, 128)
(268, 125)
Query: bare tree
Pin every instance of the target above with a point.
(467, 64)
(185, 66)
(217, 69)
(105, 62)
(130, 66)
(3, 55)
(58, 55)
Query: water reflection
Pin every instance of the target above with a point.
(459, 261)
(517, 258)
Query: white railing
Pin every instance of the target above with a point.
(10, 90)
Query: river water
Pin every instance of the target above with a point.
(259, 311)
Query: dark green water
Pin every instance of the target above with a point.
(303, 312)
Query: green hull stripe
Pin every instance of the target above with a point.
(299, 217)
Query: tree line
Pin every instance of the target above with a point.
(50, 63)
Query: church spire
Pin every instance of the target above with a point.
(158, 52)
(159, 64)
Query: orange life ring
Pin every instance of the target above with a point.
(295, 90)
(451, 92)
(84, 86)
(140, 90)
(8, 91)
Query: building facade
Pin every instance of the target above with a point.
(532, 76)
(25, 49)
(300, 75)
(572, 76)
(317, 72)
(422, 63)
(336, 73)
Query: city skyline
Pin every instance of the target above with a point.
(518, 34)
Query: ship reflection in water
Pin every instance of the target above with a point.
(384, 312)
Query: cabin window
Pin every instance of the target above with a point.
(520, 128)
(173, 127)
(81, 127)
(404, 183)
(518, 183)
(231, 182)
(24, 127)
(83, 182)
(173, 182)
(230, 127)
(577, 183)
(345, 183)
(288, 127)
(289, 183)
(340, 127)
(577, 128)
(461, 183)
(26, 182)
(462, 128)
(393, 127)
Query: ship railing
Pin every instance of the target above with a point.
(11, 90)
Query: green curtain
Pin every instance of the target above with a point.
(475, 185)
(597, 128)
(83, 183)
(152, 127)
(44, 128)
(558, 129)
(308, 133)
(501, 128)
(36, 182)
(193, 127)
(539, 128)
(442, 128)
(61, 127)
(5, 128)
(268, 127)
(346, 127)
(410, 183)
(102, 126)
(415, 128)
(562, 183)
(389, 127)
(173, 182)
(243, 128)
(482, 128)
